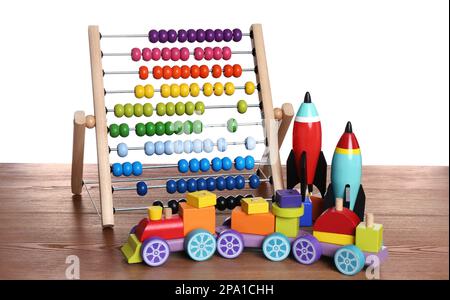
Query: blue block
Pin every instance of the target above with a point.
(306, 219)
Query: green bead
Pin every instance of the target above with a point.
(178, 127)
(148, 109)
(179, 108)
(199, 108)
(128, 110)
(150, 128)
(242, 106)
(170, 108)
(197, 126)
(114, 130)
(169, 128)
(138, 110)
(160, 109)
(140, 129)
(118, 110)
(160, 128)
(232, 125)
(124, 130)
(189, 108)
(187, 127)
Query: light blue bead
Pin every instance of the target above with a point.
(204, 165)
(208, 145)
(168, 147)
(187, 145)
(137, 168)
(116, 169)
(183, 166)
(159, 148)
(250, 143)
(178, 147)
(222, 145)
(226, 163)
(249, 162)
(122, 150)
(197, 146)
(194, 165)
(239, 163)
(149, 148)
(127, 169)
(216, 164)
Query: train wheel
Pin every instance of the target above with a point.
(155, 252)
(306, 249)
(349, 260)
(200, 245)
(276, 247)
(230, 244)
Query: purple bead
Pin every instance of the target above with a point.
(153, 36)
(227, 35)
(201, 35)
(218, 35)
(192, 35)
(237, 35)
(163, 36)
(182, 35)
(172, 36)
(209, 35)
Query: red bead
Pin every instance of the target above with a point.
(185, 72)
(143, 72)
(228, 71)
(176, 72)
(217, 53)
(204, 71)
(167, 72)
(157, 72)
(216, 71)
(237, 70)
(195, 71)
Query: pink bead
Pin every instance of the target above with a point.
(146, 54)
(166, 53)
(156, 54)
(217, 53)
(135, 54)
(198, 53)
(208, 53)
(226, 53)
(175, 54)
(184, 53)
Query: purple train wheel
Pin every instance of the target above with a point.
(306, 249)
(230, 244)
(155, 252)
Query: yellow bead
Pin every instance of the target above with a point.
(218, 89)
(149, 91)
(194, 89)
(184, 90)
(174, 90)
(165, 90)
(139, 91)
(229, 88)
(249, 87)
(207, 89)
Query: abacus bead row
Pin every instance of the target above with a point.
(217, 164)
(183, 54)
(192, 35)
(194, 71)
(127, 169)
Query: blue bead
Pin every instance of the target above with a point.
(201, 184)
(141, 188)
(178, 147)
(220, 183)
(249, 162)
(181, 186)
(159, 148)
(194, 165)
(254, 181)
(149, 148)
(187, 145)
(240, 182)
(127, 169)
(171, 186)
(117, 169)
(208, 145)
(204, 165)
(250, 143)
(183, 166)
(210, 184)
(231, 184)
(168, 147)
(216, 164)
(191, 185)
(239, 163)
(122, 149)
(221, 145)
(137, 168)
(197, 146)
(226, 163)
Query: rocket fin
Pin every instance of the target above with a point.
(360, 203)
(291, 171)
(329, 198)
(303, 182)
(320, 179)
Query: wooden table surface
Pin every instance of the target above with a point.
(41, 224)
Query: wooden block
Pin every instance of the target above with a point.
(369, 239)
(167, 213)
(257, 205)
(198, 218)
(294, 212)
(306, 220)
(167, 229)
(318, 207)
(262, 224)
(155, 213)
(132, 249)
(334, 238)
(288, 198)
(335, 221)
(201, 199)
(287, 226)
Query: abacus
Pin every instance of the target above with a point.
(157, 132)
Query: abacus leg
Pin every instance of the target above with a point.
(79, 129)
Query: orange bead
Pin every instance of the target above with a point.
(167, 72)
(185, 72)
(195, 71)
(143, 72)
(237, 70)
(157, 72)
(228, 71)
(204, 71)
(216, 71)
(176, 72)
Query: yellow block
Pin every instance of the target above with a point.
(369, 239)
(255, 205)
(294, 212)
(155, 213)
(287, 226)
(201, 199)
(334, 238)
(132, 250)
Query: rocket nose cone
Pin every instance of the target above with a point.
(348, 127)
(307, 98)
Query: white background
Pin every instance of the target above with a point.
(381, 64)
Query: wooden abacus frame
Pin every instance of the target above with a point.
(274, 128)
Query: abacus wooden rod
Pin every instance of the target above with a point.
(139, 35)
(79, 130)
(151, 72)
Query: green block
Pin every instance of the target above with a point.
(369, 239)
(287, 226)
(132, 250)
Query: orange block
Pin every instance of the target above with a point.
(318, 207)
(198, 218)
(262, 224)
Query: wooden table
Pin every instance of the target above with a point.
(41, 224)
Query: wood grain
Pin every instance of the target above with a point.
(41, 224)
